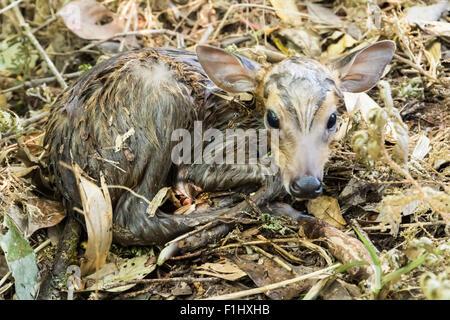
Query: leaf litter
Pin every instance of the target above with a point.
(388, 175)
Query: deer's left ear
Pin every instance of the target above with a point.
(361, 70)
(228, 71)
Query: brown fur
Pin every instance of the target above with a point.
(303, 94)
(156, 91)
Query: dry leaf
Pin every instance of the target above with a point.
(162, 195)
(405, 202)
(181, 289)
(224, 269)
(129, 269)
(107, 269)
(39, 213)
(424, 14)
(366, 105)
(265, 271)
(339, 47)
(97, 210)
(307, 40)
(83, 18)
(433, 55)
(438, 28)
(422, 148)
(187, 209)
(359, 101)
(327, 208)
(43, 213)
(323, 15)
(341, 290)
(19, 171)
(341, 245)
(288, 11)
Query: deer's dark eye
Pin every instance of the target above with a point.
(331, 121)
(273, 120)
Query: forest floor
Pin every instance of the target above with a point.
(386, 183)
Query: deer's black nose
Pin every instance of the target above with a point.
(306, 187)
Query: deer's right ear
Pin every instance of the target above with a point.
(229, 72)
(361, 70)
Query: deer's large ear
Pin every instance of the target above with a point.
(361, 70)
(229, 72)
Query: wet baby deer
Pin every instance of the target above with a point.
(149, 94)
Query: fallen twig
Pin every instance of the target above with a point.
(190, 233)
(11, 5)
(37, 82)
(404, 225)
(417, 67)
(164, 280)
(27, 31)
(281, 250)
(131, 33)
(272, 257)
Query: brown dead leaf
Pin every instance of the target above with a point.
(423, 14)
(287, 11)
(335, 49)
(36, 214)
(158, 200)
(340, 290)
(181, 289)
(433, 55)
(83, 18)
(121, 270)
(327, 208)
(323, 15)
(267, 271)
(45, 214)
(224, 269)
(21, 171)
(97, 210)
(307, 40)
(341, 245)
(187, 209)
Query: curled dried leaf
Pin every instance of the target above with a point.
(84, 17)
(224, 269)
(97, 210)
(327, 208)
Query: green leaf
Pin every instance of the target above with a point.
(17, 56)
(376, 262)
(21, 261)
(349, 265)
(397, 273)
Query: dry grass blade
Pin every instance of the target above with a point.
(97, 210)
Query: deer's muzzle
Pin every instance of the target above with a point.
(307, 187)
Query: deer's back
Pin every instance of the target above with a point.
(122, 111)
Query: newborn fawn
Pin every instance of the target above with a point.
(144, 98)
